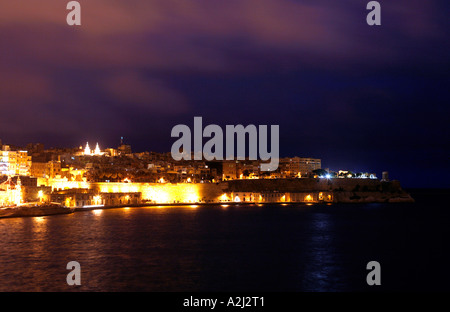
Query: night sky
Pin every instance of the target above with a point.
(362, 98)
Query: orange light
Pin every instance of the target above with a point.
(97, 212)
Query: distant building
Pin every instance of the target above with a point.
(35, 148)
(247, 169)
(229, 170)
(54, 168)
(308, 165)
(49, 169)
(38, 169)
(86, 198)
(124, 149)
(87, 150)
(112, 152)
(10, 192)
(298, 166)
(95, 152)
(245, 196)
(14, 162)
(290, 167)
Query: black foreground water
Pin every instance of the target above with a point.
(235, 248)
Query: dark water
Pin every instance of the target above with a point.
(235, 248)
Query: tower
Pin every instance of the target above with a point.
(87, 149)
(97, 150)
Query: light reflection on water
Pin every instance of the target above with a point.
(321, 268)
(203, 248)
(97, 212)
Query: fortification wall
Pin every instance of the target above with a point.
(343, 190)
(311, 185)
(167, 192)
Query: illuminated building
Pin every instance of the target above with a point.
(54, 168)
(229, 170)
(87, 198)
(224, 198)
(290, 167)
(308, 165)
(298, 166)
(89, 152)
(38, 169)
(97, 151)
(114, 193)
(273, 197)
(11, 194)
(246, 197)
(310, 197)
(58, 184)
(49, 169)
(111, 152)
(15, 163)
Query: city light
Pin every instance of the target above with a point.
(97, 200)
(192, 198)
(41, 195)
(93, 206)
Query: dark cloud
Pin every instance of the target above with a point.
(339, 89)
(144, 93)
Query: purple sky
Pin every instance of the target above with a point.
(359, 97)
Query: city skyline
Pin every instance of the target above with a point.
(38, 153)
(124, 150)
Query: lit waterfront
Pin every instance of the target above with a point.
(264, 247)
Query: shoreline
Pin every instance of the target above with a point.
(340, 198)
(358, 200)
